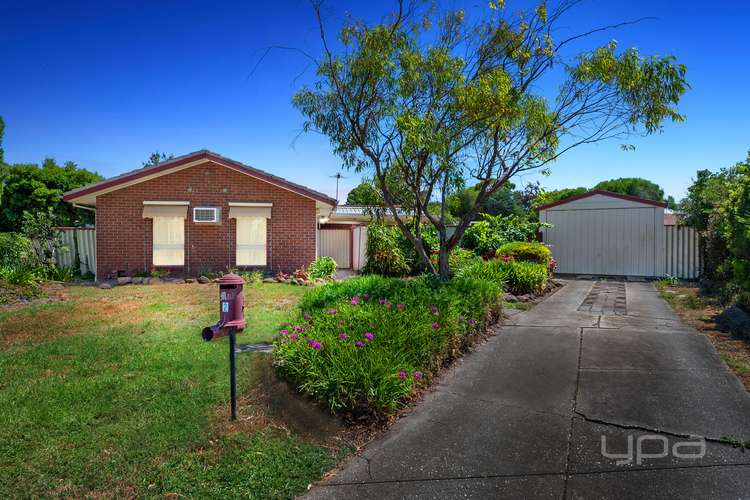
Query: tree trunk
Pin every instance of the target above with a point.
(443, 267)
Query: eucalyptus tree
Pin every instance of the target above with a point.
(428, 100)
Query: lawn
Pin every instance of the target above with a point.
(113, 393)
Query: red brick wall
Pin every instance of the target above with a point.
(124, 237)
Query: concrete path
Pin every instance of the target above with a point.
(527, 414)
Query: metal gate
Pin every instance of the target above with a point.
(337, 244)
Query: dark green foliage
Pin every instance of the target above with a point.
(718, 205)
(390, 253)
(384, 256)
(156, 157)
(634, 186)
(526, 277)
(505, 201)
(322, 268)
(364, 194)
(527, 251)
(407, 329)
(14, 247)
(31, 188)
(486, 236)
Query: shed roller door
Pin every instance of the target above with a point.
(608, 241)
(336, 243)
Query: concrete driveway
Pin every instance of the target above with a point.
(600, 391)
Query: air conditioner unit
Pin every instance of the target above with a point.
(209, 215)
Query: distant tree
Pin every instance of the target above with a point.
(364, 194)
(544, 197)
(31, 188)
(156, 158)
(504, 201)
(633, 186)
(2, 158)
(2, 151)
(431, 99)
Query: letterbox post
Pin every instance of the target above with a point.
(231, 319)
(233, 371)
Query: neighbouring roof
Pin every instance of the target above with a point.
(361, 210)
(88, 193)
(673, 218)
(604, 193)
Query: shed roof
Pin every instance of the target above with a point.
(86, 193)
(595, 192)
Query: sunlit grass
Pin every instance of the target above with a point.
(113, 392)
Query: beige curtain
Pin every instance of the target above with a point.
(251, 240)
(169, 241)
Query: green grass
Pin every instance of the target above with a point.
(737, 363)
(113, 392)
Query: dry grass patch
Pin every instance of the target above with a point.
(700, 312)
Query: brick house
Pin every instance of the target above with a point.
(202, 212)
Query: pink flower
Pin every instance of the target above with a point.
(369, 335)
(359, 343)
(434, 310)
(402, 374)
(355, 300)
(472, 322)
(417, 375)
(284, 331)
(315, 344)
(381, 300)
(293, 336)
(436, 325)
(307, 316)
(343, 336)
(400, 307)
(332, 311)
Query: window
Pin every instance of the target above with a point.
(169, 241)
(251, 241)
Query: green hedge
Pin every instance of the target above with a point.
(527, 251)
(366, 344)
(518, 277)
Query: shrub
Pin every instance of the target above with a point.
(457, 259)
(486, 236)
(530, 251)
(365, 344)
(22, 274)
(526, 277)
(518, 277)
(495, 271)
(14, 248)
(322, 268)
(384, 255)
(58, 273)
(251, 277)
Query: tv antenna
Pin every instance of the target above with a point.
(338, 177)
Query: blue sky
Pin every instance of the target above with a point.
(104, 84)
